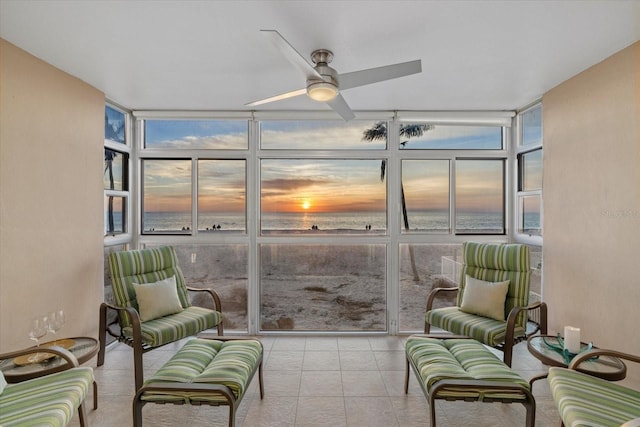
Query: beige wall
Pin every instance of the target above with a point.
(592, 202)
(51, 159)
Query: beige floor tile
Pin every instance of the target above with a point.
(282, 383)
(321, 361)
(271, 412)
(390, 360)
(284, 360)
(370, 411)
(322, 344)
(357, 361)
(353, 344)
(321, 412)
(321, 383)
(363, 383)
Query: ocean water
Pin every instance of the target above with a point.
(429, 221)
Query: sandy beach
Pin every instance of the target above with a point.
(323, 287)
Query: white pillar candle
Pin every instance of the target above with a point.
(572, 339)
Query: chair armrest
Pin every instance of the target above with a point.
(434, 292)
(515, 311)
(71, 360)
(214, 296)
(577, 360)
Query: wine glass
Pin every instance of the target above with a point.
(37, 330)
(55, 321)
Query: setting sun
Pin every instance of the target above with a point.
(306, 205)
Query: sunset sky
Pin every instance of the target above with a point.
(313, 185)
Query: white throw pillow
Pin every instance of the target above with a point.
(157, 299)
(3, 382)
(484, 298)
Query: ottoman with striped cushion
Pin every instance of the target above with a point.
(204, 372)
(460, 368)
(584, 400)
(49, 400)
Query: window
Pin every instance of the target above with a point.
(196, 134)
(480, 196)
(529, 179)
(316, 225)
(426, 193)
(166, 201)
(116, 173)
(450, 137)
(322, 135)
(322, 196)
(222, 195)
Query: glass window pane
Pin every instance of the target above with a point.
(166, 186)
(450, 137)
(480, 196)
(115, 170)
(425, 186)
(529, 222)
(423, 268)
(323, 135)
(322, 196)
(114, 125)
(224, 269)
(531, 169)
(114, 215)
(532, 126)
(196, 134)
(222, 195)
(323, 288)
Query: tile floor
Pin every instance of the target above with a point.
(317, 381)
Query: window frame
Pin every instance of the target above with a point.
(254, 154)
(520, 194)
(126, 237)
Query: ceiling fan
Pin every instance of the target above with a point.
(324, 83)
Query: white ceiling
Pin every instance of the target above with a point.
(210, 55)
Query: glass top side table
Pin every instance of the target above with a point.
(24, 368)
(605, 367)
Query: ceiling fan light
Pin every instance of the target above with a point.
(322, 91)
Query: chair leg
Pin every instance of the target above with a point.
(138, 365)
(260, 381)
(137, 412)
(406, 378)
(508, 352)
(102, 334)
(95, 395)
(82, 414)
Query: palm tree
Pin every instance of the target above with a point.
(379, 132)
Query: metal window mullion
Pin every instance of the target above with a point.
(394, 208)
(194, 196)
(253, 226)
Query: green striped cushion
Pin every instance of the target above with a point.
(229, 363)
(144, 266)
(51, 400)
(496, 263)
(584, 400)
(483, 329)
(462, 359)
(171, 328)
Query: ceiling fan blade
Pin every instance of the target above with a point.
(292, 54)
(374, 75)
(280, 97)
(339, 105)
